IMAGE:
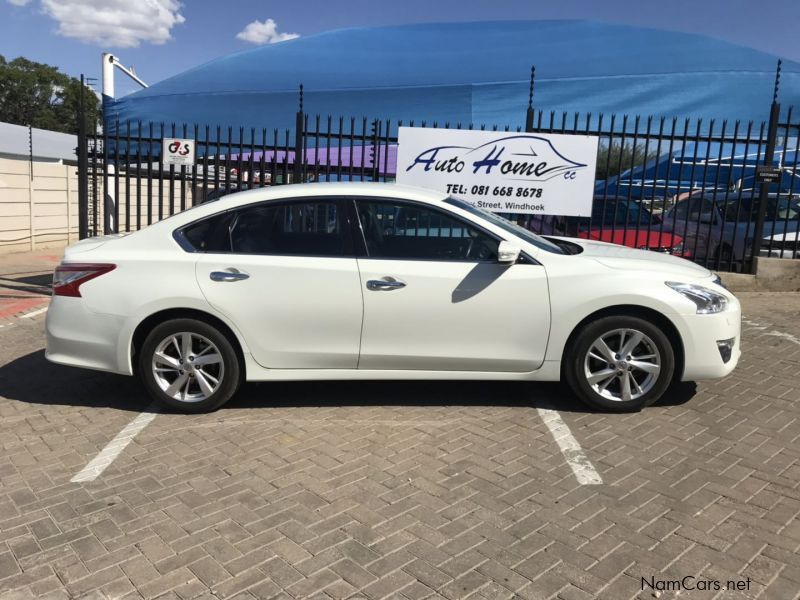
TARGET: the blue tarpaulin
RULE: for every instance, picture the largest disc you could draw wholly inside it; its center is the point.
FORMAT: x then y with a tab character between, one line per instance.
474	72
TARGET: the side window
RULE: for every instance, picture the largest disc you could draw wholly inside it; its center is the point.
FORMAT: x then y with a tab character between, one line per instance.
210	234
306	228
401	230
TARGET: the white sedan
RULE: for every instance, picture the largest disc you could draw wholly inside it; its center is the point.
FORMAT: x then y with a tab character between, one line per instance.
379	281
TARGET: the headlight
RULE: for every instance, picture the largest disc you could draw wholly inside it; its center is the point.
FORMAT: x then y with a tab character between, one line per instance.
677	249
706	300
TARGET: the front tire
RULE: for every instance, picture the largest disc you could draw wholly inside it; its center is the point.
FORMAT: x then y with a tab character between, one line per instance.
189	365
620	364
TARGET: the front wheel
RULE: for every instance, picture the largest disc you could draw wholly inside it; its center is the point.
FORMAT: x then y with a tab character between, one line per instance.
620	364
189	365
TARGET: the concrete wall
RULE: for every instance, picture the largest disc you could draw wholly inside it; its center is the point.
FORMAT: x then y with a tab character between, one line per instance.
774	275
39	211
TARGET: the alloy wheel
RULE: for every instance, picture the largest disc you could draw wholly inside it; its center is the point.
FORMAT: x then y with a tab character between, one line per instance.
622	365
187	367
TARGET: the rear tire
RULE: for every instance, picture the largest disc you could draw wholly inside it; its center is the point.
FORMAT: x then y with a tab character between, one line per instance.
619	364
189	365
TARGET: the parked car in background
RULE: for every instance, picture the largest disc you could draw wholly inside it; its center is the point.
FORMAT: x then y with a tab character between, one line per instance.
625	222
378	281
719	227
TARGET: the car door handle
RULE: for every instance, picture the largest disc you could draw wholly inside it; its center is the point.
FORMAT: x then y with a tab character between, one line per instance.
380	284
230	274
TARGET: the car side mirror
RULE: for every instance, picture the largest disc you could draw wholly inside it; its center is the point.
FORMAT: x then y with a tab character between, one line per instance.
507	253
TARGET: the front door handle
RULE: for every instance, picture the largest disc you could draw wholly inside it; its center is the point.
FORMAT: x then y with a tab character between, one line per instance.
380	284
230	274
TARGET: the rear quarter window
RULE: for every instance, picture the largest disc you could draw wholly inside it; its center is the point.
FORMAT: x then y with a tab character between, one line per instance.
211	234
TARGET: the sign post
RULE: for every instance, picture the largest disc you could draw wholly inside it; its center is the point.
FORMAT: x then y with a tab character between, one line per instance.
505	172
177	151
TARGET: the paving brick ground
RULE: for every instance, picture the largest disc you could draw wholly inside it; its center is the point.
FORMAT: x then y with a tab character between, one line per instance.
408	490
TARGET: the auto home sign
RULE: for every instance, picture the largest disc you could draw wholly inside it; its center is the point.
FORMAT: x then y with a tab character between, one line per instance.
504	172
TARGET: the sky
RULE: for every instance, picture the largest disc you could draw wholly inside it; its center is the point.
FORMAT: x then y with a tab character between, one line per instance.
161	38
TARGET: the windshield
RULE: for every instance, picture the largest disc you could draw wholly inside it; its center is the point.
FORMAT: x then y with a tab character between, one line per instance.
507	225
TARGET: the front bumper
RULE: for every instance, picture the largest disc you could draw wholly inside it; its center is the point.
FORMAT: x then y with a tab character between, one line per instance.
79	337
701	334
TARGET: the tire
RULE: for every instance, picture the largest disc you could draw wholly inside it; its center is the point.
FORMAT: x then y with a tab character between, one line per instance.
607	390
207	380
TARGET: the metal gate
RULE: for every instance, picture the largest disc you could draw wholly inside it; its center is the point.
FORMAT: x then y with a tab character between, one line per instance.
718	193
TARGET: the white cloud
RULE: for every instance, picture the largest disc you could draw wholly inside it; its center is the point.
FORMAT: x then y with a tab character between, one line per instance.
18	2
264	33
115	23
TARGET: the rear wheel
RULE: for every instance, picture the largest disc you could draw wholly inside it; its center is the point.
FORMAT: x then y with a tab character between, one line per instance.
620	363
189	365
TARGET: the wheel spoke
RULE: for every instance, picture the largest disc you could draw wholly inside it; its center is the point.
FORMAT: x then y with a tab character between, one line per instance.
186	345
636	385
647	367
205	386
165	359
606	352
209	359
599	376
629	346
177	385
626	386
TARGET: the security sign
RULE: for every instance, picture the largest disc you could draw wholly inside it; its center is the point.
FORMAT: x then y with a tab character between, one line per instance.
175	151
505	172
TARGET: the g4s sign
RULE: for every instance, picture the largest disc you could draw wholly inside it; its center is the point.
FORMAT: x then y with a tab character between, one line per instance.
503	172
177	151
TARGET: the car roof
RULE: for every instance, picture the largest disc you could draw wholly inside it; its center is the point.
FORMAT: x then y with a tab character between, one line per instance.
354	188
289	192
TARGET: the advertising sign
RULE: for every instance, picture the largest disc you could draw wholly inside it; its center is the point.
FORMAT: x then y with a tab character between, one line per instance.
507	172
176	151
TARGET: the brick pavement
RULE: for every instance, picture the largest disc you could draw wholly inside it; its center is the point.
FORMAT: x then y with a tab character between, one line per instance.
413	490
25	280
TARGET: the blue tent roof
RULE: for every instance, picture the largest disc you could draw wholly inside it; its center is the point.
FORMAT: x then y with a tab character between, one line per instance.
474	72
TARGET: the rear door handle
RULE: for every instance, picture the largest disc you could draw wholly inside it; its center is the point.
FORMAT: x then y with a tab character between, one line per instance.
230	274
380	284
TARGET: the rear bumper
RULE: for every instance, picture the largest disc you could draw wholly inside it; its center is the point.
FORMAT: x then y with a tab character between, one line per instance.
701	334
80	338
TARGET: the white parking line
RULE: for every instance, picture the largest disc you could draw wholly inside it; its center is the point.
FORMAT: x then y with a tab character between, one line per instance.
113	449
33	313
584	471
774	333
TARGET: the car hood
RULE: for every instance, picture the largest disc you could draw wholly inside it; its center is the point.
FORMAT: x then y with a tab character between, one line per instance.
630	259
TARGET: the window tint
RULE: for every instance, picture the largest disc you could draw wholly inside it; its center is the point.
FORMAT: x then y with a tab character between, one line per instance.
400	230
210	235
292	228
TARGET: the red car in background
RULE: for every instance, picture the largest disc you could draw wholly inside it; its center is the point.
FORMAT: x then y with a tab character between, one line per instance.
622	221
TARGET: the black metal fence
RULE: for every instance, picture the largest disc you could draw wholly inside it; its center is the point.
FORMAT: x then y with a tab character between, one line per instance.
718	193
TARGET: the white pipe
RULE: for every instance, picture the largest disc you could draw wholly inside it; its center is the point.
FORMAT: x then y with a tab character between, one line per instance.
108	61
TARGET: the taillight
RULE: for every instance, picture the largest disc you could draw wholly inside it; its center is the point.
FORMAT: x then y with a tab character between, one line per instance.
68	277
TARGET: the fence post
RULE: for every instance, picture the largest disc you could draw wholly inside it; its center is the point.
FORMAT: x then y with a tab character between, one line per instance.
769	156
299	134
83	168
529	114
